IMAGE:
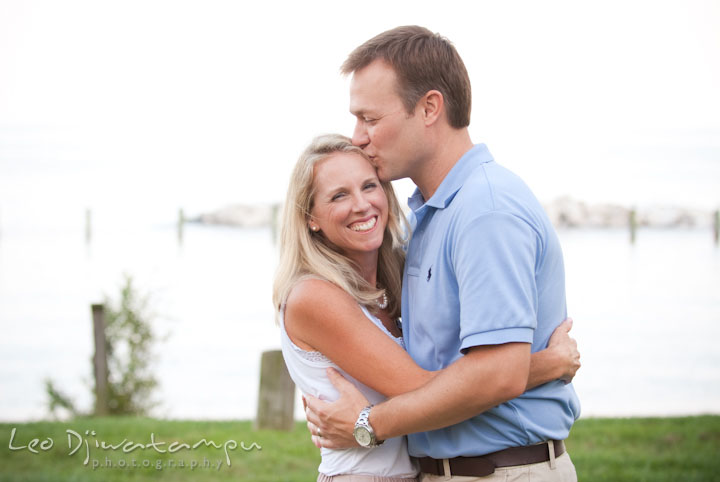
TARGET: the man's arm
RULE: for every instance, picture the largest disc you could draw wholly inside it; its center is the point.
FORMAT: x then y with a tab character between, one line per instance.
483	378
560	360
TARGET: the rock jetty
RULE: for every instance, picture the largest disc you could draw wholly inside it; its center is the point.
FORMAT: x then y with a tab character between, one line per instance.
571	213
564	212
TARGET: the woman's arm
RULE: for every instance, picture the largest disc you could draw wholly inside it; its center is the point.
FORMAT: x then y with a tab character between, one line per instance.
560	360
320	316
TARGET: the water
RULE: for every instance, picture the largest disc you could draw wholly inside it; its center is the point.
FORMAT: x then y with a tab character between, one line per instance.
646	316
648	320
211	295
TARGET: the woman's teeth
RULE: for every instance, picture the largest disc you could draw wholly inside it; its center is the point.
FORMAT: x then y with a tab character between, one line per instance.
366	226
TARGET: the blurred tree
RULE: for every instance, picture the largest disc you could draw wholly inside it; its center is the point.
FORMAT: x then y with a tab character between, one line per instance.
129	340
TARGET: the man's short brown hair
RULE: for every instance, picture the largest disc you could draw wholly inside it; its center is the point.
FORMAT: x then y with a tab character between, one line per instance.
423	61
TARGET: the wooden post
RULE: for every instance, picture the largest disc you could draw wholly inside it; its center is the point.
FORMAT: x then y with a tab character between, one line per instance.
88	225
276	397
716	226
100	367
633	225
180	225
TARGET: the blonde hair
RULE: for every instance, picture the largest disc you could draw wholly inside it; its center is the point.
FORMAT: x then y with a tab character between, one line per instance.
305	254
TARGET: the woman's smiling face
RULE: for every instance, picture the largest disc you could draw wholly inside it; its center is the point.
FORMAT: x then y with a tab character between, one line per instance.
349	206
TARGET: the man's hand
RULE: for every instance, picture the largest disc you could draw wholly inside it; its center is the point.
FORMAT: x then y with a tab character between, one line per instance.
566	348
332	423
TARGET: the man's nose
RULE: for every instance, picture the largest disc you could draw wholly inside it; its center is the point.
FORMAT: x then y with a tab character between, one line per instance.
360	137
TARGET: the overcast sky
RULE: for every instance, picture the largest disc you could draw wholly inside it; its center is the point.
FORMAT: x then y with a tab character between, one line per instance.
152	105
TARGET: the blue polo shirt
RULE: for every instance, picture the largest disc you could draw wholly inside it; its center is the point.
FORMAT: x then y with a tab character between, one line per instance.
484	267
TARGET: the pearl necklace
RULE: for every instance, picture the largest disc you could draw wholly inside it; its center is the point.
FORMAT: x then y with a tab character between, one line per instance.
384	303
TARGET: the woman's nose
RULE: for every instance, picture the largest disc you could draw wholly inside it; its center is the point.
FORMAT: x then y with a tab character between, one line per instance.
361	203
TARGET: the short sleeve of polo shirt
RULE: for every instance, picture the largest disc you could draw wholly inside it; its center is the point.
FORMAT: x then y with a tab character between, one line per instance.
494	258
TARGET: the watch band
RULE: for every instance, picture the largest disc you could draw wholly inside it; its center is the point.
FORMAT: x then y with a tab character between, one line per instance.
363	427
364	417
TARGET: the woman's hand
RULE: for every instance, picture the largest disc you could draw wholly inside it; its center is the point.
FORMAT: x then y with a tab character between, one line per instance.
565	348
331	424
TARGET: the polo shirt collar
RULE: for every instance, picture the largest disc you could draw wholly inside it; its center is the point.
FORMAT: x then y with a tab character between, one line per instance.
478	154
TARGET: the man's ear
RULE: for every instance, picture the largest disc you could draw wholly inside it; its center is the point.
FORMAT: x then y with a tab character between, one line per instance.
432	106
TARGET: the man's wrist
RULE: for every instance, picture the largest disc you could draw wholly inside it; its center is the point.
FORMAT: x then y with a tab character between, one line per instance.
378	421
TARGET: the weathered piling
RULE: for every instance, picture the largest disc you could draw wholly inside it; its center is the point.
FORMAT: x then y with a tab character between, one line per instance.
276	397
180	225
100	368
633	225
716	226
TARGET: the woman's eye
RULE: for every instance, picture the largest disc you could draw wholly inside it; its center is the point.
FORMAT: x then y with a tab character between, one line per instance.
337	196
370	185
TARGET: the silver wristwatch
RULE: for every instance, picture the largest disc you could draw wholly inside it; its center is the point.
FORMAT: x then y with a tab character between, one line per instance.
364	433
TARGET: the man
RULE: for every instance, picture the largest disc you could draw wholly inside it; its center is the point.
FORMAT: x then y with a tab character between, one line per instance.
483	286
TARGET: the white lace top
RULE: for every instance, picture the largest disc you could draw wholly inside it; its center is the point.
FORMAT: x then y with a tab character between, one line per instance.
307	369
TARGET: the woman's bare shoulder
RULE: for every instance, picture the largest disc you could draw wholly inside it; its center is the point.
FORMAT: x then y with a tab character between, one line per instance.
313	294
317	308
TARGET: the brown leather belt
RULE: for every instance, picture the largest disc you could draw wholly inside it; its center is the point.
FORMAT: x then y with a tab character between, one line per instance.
486	464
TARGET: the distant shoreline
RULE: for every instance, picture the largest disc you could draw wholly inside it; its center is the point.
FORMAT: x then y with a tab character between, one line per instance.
564	212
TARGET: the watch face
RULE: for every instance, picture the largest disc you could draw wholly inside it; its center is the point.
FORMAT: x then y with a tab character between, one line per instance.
363	436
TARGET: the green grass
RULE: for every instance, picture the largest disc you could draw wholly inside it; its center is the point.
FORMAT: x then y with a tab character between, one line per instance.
283	455
647	449
632	449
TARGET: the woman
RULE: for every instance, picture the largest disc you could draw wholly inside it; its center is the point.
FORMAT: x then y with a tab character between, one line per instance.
337	291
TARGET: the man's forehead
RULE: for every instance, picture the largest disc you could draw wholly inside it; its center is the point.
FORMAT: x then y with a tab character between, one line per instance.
372	87
376	74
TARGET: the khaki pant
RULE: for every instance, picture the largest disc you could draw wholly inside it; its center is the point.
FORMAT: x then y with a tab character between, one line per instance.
564	471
